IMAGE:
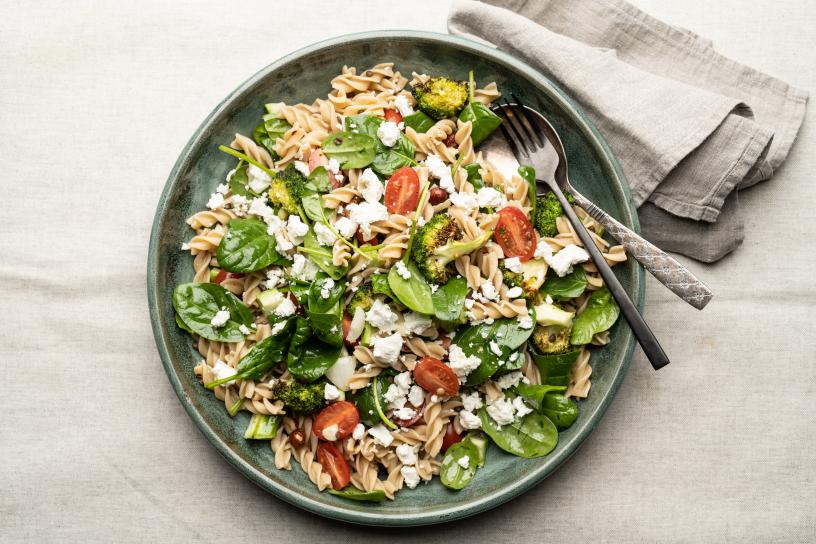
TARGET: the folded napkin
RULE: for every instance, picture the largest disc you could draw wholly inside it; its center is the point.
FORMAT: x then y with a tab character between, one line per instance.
689	126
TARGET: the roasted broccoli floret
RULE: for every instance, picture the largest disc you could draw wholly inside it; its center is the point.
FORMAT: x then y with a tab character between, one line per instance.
286	189
362	298
299	397
548	209
551	339
438	243
440	97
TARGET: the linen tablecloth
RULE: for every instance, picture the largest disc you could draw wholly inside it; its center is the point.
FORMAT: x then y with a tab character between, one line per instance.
96	101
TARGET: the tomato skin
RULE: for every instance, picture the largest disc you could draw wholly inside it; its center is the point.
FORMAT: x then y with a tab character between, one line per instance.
419	411
346	326
451	437
437	195
223	275
515	234
394	116
446	341
342	413
334	464
402	191
436	377
318	158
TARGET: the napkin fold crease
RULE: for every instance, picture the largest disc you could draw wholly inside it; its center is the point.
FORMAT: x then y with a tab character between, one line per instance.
689	126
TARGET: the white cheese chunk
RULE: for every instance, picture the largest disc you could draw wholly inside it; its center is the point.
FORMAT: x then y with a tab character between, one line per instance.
222	370
388	132
563	261
370	186
410	477
387	350
220	318
407	454
381	435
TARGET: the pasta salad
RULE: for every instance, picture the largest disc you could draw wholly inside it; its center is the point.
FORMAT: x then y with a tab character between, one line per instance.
383	300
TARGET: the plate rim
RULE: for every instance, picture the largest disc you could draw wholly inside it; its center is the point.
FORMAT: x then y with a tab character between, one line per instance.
378	518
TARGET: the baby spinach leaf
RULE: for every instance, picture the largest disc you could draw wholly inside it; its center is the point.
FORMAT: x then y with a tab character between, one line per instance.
269	130
555	369
560	410
197	303
308	358
239	179
262	358
387	159
452	474
484	121
527	173
247	247
449	300
415	293
474	176
352	150
534	394
318	181
352	493
300	290
563	288
506	334
323	285
321	256
182	325
601	313
370	400
419	121
379	283
326	314
534	435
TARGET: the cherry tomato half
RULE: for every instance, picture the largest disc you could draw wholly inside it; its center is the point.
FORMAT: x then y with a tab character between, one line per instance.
515	234
402	191
342	414
333	463
394	116
436	377
451	437
223	274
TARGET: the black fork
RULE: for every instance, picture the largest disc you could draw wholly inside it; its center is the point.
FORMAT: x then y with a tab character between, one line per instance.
529	147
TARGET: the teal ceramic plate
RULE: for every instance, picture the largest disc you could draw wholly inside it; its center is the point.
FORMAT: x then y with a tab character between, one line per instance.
303	76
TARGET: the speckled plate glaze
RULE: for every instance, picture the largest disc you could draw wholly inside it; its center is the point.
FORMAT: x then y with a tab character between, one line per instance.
303	76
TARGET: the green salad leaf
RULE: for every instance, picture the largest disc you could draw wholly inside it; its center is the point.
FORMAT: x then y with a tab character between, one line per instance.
449	302
474	176
386	159
564	288
484	121
248	247
325	314
318	181
600	313
197	303
419	121
560	410
351	149
262	358
309	358
239	179
534	435
321	256
555	369
454	475
371	400
352	493
414	292
527	173
268	131
506	334
379	284
534	394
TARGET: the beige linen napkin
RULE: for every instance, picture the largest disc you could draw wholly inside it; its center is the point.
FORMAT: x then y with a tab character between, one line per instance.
689	126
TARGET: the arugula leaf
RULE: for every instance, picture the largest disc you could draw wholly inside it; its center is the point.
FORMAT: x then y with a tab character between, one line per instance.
379	283
415	293
451	473
484	121
560	410
354	494
534	435
563	288
351	149
197	303
449	302
555	369
321	256
248	247
419	121
600	313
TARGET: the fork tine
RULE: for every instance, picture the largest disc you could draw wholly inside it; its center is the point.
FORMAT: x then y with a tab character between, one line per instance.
519	151
527	121
515	129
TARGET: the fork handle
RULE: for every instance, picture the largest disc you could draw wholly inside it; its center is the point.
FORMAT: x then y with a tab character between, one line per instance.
651	347
666	269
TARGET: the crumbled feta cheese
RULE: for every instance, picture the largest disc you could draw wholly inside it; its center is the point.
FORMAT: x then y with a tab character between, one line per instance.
494	347
446	183
333	166
220	318
513	264
489	291
259	207
388	132
436	166
404	413
386	350
472	401
296	229
410	477
358	432
514	292
330	432
370	186
257	179
302	167
216	201
239	205
381	435
330	392
285	308
244	329
542	250
415	323
466	201
325	289
416	395
222	370
469	302
521	408
434	398
525	322
434	287
403	105
562	261
303	269
460	363
345	227
407	454
278	327
185	246
366	213
509	380
464	461
324	235
548	299
468	420
222	188
501	411
403	271
403	380
393	393
488	197
381	316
